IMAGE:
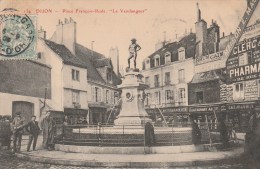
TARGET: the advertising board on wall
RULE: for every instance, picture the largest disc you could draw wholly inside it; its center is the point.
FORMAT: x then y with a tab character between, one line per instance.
244	63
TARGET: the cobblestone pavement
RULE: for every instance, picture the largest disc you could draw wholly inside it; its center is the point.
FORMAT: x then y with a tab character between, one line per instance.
10	161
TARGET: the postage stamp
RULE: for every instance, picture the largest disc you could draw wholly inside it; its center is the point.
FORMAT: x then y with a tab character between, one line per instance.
17	35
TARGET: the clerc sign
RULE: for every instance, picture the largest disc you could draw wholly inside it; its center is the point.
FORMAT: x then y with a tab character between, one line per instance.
246	52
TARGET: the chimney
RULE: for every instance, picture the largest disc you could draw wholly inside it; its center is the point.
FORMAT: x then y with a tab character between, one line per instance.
198	13
201	34
66	34
114	55
42	33
223	34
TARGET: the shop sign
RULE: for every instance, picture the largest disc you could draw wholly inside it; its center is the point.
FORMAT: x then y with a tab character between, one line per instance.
251	90
174	109
209	58
251	31
240	29
240	106
203	109
249	49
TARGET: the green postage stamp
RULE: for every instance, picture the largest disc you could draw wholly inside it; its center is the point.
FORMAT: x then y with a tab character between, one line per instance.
17	35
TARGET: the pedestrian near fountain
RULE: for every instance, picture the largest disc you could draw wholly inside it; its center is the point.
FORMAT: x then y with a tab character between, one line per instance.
149	134
223	131
17	129
252	140
196	133
34	130
48	130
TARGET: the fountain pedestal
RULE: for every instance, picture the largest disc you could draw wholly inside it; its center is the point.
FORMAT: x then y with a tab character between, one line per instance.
133	112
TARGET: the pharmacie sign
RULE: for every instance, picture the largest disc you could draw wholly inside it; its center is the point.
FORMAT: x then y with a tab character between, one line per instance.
246	51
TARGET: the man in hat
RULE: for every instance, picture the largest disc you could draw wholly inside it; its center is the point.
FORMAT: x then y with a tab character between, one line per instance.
17	128
34	130
133	48
48	130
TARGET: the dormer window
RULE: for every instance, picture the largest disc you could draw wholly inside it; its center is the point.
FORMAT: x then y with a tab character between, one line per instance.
181	53
157	60
147	63
167	57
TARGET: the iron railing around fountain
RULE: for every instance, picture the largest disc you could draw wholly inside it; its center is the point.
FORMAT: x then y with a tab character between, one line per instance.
132	135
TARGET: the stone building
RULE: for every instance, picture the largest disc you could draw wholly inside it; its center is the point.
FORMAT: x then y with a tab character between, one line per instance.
84	81
22	87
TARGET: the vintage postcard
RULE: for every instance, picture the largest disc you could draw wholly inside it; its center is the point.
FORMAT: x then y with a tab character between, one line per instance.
129	84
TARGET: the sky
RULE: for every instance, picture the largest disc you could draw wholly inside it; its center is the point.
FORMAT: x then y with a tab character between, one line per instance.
113	29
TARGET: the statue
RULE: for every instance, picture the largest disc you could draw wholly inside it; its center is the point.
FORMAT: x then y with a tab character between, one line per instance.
133	48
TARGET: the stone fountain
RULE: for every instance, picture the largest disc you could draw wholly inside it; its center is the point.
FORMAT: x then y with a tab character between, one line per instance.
133	112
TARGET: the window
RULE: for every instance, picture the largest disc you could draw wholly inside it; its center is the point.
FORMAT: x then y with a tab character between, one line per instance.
75	74
97	94
182	95
147	98
181	76
243	59
147	80
157	97
107	96
258	88
39	55
157	60
168	96
109	75
238	91
167	57
75	97
147	62
167	78
181	53
156	81
115	97
199	97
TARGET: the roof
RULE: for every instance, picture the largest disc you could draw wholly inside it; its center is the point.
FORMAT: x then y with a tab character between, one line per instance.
188	42
84	58
102	62
208	76
64	53
92	60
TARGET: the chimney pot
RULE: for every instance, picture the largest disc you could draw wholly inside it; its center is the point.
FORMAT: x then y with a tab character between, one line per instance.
66	20
223	34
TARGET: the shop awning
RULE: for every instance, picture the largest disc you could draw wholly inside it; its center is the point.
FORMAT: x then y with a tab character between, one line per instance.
207	76
50	105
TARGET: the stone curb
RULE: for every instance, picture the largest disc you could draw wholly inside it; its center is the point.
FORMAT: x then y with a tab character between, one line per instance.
61	161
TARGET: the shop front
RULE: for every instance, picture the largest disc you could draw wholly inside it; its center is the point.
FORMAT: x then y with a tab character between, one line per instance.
76	116
205	113
238	114
98	114
169	114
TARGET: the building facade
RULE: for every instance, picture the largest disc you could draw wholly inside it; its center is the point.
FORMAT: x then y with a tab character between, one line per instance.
23	85
167	72
84	80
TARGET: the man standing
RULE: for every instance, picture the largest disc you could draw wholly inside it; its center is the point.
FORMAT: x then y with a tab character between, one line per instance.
17	128
33	130
48	130
133	48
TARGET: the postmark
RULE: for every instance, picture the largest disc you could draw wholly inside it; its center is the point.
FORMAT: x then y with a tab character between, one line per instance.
17	35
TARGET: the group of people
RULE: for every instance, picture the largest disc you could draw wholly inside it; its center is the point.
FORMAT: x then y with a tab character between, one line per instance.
19	124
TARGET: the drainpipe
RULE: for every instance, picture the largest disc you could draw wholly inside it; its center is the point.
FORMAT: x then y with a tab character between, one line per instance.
44	102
